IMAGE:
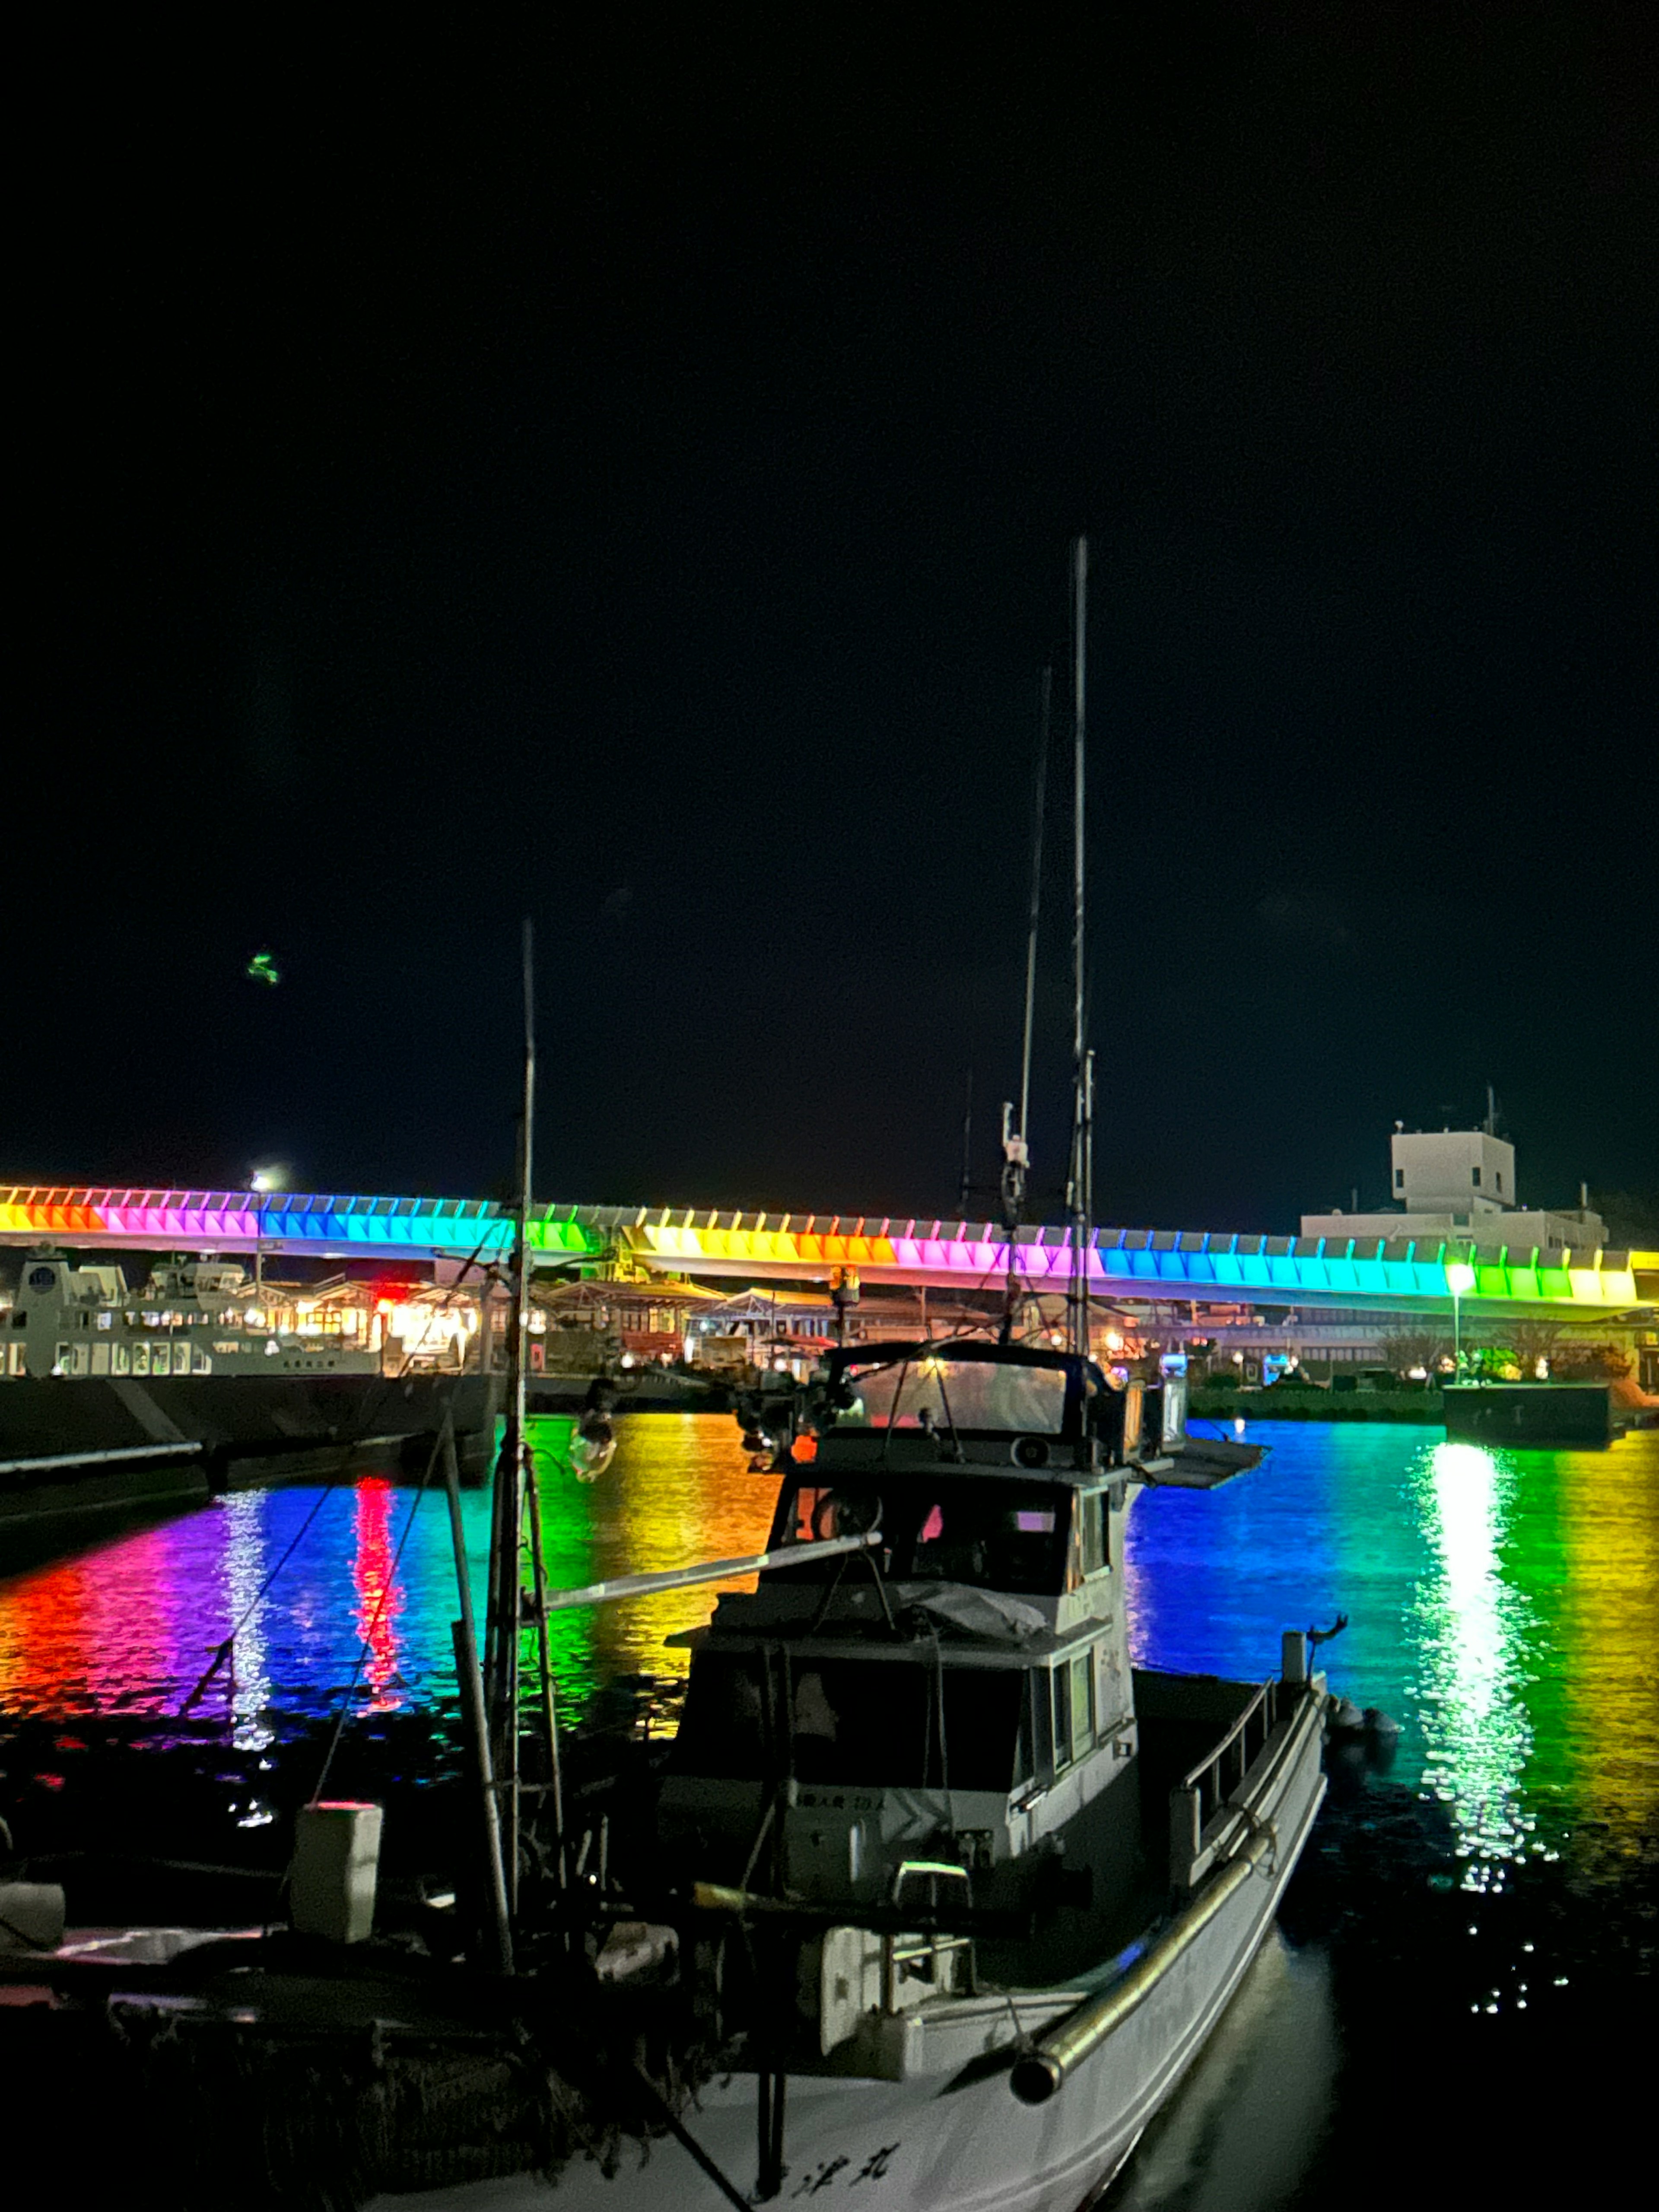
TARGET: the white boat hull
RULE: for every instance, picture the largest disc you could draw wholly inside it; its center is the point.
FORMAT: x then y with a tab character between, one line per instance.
934	2142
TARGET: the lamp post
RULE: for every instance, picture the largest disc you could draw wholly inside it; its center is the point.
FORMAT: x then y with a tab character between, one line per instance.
1459	1280
262	1180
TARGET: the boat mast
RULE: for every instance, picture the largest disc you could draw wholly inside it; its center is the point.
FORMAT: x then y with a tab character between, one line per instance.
1015	1136
506	1606
1081	1179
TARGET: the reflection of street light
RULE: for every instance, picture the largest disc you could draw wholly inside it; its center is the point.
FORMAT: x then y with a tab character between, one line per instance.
1459	1280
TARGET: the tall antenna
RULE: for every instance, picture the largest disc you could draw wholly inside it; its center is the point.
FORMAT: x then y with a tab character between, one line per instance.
1016	1139
1039	806
964	1188
1081	1176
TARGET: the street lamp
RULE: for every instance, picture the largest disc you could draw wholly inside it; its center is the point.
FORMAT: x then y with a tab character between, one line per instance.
262	1179
1459	1280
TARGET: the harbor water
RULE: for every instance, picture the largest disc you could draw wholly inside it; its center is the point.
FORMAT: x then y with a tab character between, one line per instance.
1455	1991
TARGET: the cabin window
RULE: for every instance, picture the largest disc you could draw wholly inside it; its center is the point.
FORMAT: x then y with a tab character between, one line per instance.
972	1394
993	1541
1475	1173
1060	1682
1041	1709
1074	1709
1093	1509
120	1359
995	1533
1106	1718
853	1723
106	1320
1083	1705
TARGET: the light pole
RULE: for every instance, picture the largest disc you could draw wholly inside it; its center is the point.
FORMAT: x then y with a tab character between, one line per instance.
1459	1280
262	1179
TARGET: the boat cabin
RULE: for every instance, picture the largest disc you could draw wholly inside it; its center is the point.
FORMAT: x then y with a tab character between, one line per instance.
956	1689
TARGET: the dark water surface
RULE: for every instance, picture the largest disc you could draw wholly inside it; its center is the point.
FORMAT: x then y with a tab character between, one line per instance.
1454	2008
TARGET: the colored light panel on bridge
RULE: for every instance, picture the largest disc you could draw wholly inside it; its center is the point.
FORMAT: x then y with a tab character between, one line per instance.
1192	1267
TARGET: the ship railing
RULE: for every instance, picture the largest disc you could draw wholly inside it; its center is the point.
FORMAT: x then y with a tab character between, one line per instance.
1210	1798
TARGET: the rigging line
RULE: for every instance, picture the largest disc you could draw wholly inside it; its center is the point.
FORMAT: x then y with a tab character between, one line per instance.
689	2142
336	1481
365	1643
224	1650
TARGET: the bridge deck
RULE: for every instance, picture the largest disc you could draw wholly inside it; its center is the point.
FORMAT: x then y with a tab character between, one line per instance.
1186	1264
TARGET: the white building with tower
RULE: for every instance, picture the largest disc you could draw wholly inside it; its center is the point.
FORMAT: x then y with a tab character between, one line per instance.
1459	1185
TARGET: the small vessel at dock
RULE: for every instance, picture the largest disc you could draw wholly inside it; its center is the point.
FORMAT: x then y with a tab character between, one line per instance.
114	1402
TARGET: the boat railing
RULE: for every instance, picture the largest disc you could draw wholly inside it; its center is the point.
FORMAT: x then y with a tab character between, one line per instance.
944	1962
1213	1786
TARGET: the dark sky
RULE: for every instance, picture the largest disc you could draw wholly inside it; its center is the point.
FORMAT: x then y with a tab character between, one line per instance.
626	476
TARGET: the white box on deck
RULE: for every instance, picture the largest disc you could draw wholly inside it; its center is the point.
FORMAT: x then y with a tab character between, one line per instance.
337	1857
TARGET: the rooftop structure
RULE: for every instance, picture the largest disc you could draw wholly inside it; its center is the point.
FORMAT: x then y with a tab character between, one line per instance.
1459	1185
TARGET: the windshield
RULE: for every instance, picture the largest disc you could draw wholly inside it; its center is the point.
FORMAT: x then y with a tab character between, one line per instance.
1006	1535
960	1393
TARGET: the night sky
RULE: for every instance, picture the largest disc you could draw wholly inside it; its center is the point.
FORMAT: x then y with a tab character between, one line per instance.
626	476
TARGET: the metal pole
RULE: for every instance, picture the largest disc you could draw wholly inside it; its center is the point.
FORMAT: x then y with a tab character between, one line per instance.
508	1524
472	1712
549	1703
707	1570
1079	1289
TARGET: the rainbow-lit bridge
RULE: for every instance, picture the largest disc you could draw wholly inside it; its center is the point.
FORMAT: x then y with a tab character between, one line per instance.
800	1248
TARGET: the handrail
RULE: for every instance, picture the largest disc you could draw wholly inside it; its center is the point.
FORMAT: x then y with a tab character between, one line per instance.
187	1448
1214	1758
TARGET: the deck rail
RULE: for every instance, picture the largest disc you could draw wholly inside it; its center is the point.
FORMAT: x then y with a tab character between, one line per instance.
1221	1771
1210	1788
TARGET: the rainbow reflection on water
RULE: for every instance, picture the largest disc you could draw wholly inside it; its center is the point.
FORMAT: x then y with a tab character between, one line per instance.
1503	1604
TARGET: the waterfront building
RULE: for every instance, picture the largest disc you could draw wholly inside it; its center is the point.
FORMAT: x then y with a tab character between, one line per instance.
1454	1186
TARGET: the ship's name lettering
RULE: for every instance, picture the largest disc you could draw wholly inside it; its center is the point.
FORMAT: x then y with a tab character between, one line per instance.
825	2175
839	1801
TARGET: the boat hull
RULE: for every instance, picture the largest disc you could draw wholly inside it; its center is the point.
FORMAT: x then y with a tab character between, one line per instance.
63	1472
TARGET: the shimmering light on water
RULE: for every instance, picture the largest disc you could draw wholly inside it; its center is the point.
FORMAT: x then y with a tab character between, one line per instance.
1471	1630
1502	1604
249	1684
